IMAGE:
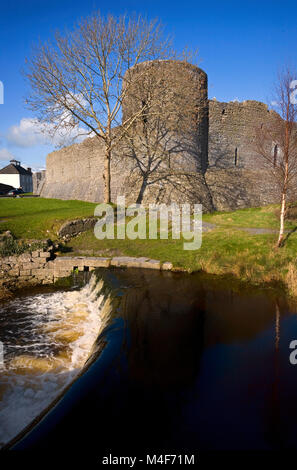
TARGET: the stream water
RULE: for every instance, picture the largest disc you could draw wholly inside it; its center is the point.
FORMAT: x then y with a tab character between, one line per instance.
197	364
46	339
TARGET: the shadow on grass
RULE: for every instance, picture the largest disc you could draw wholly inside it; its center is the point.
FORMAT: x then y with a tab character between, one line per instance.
64	248
293	230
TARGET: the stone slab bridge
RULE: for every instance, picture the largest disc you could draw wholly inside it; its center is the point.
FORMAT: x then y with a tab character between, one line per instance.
42	267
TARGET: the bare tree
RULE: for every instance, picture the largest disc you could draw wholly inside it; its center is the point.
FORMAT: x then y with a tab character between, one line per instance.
78	78
276	143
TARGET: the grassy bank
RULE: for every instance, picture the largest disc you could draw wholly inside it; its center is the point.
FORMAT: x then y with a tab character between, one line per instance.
227	249
224	251
40	218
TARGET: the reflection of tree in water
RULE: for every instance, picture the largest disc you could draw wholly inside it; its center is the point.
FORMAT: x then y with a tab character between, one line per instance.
275	429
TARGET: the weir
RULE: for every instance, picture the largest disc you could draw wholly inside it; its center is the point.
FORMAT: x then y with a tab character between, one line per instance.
48	338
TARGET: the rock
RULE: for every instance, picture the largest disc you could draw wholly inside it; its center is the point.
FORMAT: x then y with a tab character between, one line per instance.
5	293
30	269
152	264
37	272
167	266
25	257
130	262
14	272
72	228
95	262
125	261
62	273
5	267
5	235
25	272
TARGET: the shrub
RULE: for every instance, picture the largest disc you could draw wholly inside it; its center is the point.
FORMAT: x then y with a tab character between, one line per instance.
291	279
10	246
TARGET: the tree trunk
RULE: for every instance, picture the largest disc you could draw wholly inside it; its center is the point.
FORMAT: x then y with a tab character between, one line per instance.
285	186
106	174
282	220
142	189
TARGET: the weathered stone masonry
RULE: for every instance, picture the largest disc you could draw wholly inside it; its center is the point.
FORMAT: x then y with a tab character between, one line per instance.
224	172
42	267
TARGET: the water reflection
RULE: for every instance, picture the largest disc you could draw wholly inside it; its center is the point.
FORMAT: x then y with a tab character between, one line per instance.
214	354
200	365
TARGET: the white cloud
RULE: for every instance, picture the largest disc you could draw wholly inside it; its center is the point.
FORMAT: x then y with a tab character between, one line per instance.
274	103
5	155
36	169
30	132
26	134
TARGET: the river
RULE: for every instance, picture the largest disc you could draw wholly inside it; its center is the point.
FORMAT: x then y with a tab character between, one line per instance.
186	363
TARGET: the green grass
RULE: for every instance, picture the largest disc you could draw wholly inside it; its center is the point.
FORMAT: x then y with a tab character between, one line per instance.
225	250
39	218
254	217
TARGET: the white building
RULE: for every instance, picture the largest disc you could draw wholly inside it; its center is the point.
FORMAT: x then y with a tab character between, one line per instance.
17	176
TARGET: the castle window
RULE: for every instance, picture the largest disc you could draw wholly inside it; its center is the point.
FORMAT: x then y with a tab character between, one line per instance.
235	157
223	112
275	152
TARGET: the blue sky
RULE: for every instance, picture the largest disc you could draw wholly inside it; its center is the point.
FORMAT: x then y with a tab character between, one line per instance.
241	47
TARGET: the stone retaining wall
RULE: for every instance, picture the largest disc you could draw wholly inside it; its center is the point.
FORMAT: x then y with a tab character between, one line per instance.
42	267
36	267
71	228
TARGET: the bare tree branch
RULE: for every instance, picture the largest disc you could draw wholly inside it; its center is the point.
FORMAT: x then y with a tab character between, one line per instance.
83	76
276	143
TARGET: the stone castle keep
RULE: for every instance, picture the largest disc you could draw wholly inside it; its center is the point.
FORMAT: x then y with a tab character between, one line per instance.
206	158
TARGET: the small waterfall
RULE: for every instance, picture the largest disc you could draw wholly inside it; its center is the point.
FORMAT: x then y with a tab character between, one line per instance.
47	339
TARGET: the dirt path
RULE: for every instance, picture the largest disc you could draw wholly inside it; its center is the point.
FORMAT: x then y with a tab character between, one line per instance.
207	227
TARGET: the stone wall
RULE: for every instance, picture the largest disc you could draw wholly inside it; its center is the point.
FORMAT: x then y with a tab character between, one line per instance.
72	228
42	267
220	167
75	172
31	268
232	129
237	188
171	97
38	179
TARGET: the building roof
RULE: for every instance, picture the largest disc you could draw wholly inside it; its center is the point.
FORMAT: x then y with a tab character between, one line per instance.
15	168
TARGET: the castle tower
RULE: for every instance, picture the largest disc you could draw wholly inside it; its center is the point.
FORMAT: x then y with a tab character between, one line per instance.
173	97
